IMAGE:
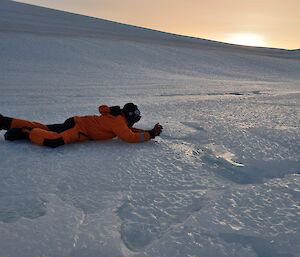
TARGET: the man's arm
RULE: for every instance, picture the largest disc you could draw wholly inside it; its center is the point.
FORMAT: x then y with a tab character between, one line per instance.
121	129
137	130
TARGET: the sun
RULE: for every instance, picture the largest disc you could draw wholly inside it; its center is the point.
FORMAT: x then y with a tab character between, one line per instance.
247	39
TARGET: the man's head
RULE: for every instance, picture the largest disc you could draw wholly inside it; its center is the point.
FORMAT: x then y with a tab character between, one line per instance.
131	113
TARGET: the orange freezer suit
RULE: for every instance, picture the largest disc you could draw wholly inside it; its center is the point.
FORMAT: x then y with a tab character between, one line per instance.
91	127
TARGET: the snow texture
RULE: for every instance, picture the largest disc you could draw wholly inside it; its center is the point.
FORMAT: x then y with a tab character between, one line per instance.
222	180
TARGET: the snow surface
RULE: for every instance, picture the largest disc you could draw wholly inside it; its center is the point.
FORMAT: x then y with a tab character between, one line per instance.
222	180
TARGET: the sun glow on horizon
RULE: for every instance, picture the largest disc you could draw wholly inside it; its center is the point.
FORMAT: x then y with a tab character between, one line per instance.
247	39
274	24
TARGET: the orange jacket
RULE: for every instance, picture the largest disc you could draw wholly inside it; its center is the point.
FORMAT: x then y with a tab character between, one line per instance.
107	126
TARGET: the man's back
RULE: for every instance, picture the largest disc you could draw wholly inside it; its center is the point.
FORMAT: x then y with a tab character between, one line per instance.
100	127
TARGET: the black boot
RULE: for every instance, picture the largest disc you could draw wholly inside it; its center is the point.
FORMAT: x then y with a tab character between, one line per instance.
15	134
1	118
5	122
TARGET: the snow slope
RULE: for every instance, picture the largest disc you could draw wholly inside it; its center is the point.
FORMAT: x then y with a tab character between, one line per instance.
223	179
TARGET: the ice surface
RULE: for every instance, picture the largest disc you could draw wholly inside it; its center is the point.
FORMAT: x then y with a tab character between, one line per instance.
182	194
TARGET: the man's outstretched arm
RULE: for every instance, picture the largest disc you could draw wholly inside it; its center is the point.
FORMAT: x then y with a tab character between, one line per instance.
127	134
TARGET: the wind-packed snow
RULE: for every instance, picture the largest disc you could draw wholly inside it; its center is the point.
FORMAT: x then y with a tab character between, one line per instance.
222	180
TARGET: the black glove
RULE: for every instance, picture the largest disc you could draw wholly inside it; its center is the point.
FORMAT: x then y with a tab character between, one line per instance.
156	130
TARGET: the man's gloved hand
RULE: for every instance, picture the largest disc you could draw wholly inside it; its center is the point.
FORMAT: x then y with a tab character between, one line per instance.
156	130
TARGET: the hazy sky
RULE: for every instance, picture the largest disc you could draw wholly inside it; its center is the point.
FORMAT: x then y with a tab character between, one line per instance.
272	23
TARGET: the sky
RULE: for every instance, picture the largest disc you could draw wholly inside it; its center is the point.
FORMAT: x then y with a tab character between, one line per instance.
268	23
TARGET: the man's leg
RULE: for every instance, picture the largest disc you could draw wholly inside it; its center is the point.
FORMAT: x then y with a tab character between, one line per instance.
54	139
14	127
7	123
18	123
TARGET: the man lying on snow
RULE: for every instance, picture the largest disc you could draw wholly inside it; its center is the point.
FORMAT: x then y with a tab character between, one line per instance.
112	122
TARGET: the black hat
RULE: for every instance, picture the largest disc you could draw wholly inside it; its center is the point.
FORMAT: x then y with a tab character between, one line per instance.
132	113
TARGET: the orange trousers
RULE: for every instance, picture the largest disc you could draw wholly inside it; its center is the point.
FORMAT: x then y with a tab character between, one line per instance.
40	134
